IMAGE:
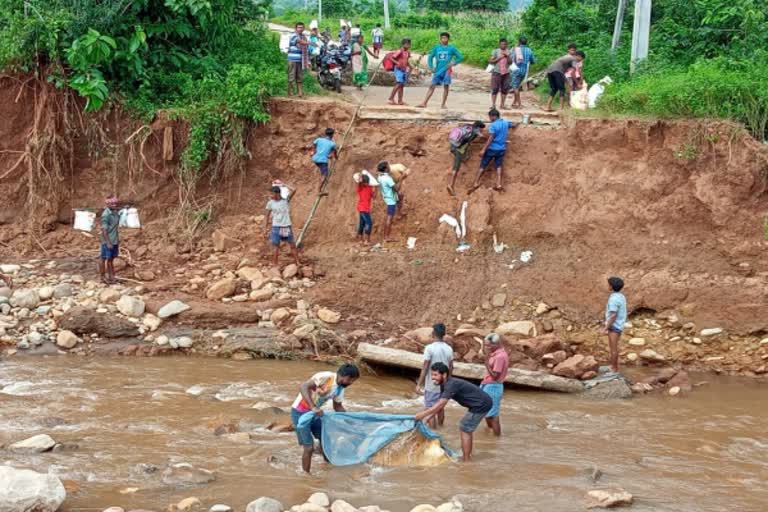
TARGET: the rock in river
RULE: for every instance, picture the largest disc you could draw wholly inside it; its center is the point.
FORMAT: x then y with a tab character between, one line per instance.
184	474
66	339
81	320
576	366
264	504
35	444
609	498
23	490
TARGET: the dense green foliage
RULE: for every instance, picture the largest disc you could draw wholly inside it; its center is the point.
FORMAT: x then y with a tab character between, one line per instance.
209	61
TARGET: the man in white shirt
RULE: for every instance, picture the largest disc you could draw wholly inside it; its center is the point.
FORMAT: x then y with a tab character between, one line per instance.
436	352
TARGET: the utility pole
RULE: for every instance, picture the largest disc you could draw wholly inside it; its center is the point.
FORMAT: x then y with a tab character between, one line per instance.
640	32
619	23
386	14
319	12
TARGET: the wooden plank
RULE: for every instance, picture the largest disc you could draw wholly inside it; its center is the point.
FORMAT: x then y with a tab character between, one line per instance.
404	359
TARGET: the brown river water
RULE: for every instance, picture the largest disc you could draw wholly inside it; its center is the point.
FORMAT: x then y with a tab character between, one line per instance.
704	452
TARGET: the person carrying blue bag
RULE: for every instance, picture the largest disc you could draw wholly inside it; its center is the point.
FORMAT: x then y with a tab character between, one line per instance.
313	394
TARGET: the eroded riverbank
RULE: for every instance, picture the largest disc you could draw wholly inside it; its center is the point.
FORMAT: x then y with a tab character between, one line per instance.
705	452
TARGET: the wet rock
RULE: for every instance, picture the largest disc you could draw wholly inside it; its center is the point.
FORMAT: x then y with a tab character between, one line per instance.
308	507
682	381
609	498
320	498
264	504
62	291
663	376
182	342
188	504
81	320
641	387
342	506
674	391
66	447
223	288
453	506
66	339
184	474
223	242
708	333
423	508
610	390
220	508
109	295
498	300
328	316
151	322
576	366
45	293
290	271
35	444
588	375
637	342
522	328
25	298
173	308
652	356
23	490
130	306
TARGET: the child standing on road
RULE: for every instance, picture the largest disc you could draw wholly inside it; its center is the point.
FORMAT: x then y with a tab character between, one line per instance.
402	68
615	318
441	60
365	194
325	149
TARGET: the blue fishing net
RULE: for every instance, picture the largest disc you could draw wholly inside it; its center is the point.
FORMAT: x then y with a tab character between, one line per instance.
354	437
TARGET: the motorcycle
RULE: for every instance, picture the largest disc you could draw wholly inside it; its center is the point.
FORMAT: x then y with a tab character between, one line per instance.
334	58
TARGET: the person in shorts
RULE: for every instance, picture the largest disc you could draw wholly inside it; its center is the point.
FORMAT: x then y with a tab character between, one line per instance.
461	153
278	223
110	240
556	77
615	318
365	193
325	149
322	387
523	58
441	60
298	59
494	150
402	68
478	404
436	352
496	369
501	81
390	194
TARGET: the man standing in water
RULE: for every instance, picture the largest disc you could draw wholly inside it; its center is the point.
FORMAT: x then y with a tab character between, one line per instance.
320	388
496	368
441	60
615	318
436	352
468	395
110	241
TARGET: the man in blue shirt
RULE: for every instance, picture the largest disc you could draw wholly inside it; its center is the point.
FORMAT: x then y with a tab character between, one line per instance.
495	148
615	318
325	149
297	60
523	57
441	60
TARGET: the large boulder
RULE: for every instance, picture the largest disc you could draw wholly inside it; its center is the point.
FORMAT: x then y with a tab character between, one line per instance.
35	444
130	306
576	366
62	291
184	474
250	274
66	339
23	490
520	328
81	320
610	390
222	288
540	345
264	504
25	298
173	308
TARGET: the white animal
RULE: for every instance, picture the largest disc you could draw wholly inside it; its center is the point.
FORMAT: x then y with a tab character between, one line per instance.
597	90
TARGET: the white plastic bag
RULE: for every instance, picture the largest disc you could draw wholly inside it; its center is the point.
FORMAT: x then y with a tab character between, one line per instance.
489	68
597	90
84	220
580	99
131	218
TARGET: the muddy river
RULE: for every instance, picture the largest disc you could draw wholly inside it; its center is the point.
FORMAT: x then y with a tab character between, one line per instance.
704	452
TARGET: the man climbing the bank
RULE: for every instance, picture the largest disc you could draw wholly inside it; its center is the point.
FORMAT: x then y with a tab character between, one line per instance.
468	395
494	150
615	318
325	149
460	139
278	224
436	352
313	394
496	369
298	60
389	193
110	240
441	60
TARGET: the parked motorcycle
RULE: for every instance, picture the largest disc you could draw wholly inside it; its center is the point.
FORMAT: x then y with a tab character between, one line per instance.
334	59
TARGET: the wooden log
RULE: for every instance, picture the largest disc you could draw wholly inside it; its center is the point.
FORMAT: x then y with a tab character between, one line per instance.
168	144
402	358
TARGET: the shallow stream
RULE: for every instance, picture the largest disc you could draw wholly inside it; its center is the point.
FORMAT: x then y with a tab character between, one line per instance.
704	452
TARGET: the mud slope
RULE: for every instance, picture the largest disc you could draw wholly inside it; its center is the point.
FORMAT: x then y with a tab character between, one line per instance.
675	208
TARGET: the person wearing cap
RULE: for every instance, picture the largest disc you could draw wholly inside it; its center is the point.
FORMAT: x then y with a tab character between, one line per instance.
278	223
496	368
436	352
110	240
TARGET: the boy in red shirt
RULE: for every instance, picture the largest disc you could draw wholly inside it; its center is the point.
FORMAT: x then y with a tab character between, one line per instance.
365	194
401	59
